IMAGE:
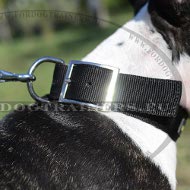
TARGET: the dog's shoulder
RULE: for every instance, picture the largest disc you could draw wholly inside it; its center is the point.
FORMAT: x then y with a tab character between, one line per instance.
71	150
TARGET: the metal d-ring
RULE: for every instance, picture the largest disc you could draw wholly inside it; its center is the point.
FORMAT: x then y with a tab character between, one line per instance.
32	70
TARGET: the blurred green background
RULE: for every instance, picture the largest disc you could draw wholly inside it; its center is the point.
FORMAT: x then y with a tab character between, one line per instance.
28	35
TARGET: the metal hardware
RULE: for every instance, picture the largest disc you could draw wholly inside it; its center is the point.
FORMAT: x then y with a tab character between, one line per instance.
32	70
182	126
110	91
29	78
6	76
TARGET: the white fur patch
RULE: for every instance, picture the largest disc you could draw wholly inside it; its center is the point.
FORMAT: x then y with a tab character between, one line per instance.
184	70
148	138
131	58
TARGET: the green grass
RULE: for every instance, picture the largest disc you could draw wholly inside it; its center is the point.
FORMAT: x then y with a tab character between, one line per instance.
71	43
183	170
17	56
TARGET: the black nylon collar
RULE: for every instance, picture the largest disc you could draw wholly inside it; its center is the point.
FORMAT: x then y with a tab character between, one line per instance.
154	101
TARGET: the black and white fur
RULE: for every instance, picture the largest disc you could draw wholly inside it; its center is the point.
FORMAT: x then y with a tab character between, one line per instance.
93	150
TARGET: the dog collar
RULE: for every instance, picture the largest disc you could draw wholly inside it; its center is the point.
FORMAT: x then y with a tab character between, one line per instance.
154	101
104	88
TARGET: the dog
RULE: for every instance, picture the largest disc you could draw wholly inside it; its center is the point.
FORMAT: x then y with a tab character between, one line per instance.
93	150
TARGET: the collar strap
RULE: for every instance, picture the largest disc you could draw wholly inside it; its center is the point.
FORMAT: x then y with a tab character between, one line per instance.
155	101
96	85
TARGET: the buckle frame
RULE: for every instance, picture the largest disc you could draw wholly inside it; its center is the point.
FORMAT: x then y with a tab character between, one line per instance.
110	91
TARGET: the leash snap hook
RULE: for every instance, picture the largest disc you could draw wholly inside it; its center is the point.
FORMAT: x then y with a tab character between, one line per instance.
32	70
6	76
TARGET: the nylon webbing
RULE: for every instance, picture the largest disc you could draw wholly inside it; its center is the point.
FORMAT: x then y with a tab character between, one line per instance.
170	125
58	78
133	93
154	101
147	95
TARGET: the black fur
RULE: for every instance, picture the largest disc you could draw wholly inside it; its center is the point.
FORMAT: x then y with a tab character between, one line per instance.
71	150
172	20
85	150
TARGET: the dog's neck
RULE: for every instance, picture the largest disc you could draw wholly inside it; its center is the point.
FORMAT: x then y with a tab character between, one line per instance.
126	51
142	24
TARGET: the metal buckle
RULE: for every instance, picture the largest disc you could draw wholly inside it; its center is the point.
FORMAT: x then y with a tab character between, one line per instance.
182	126
31	72
110	91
